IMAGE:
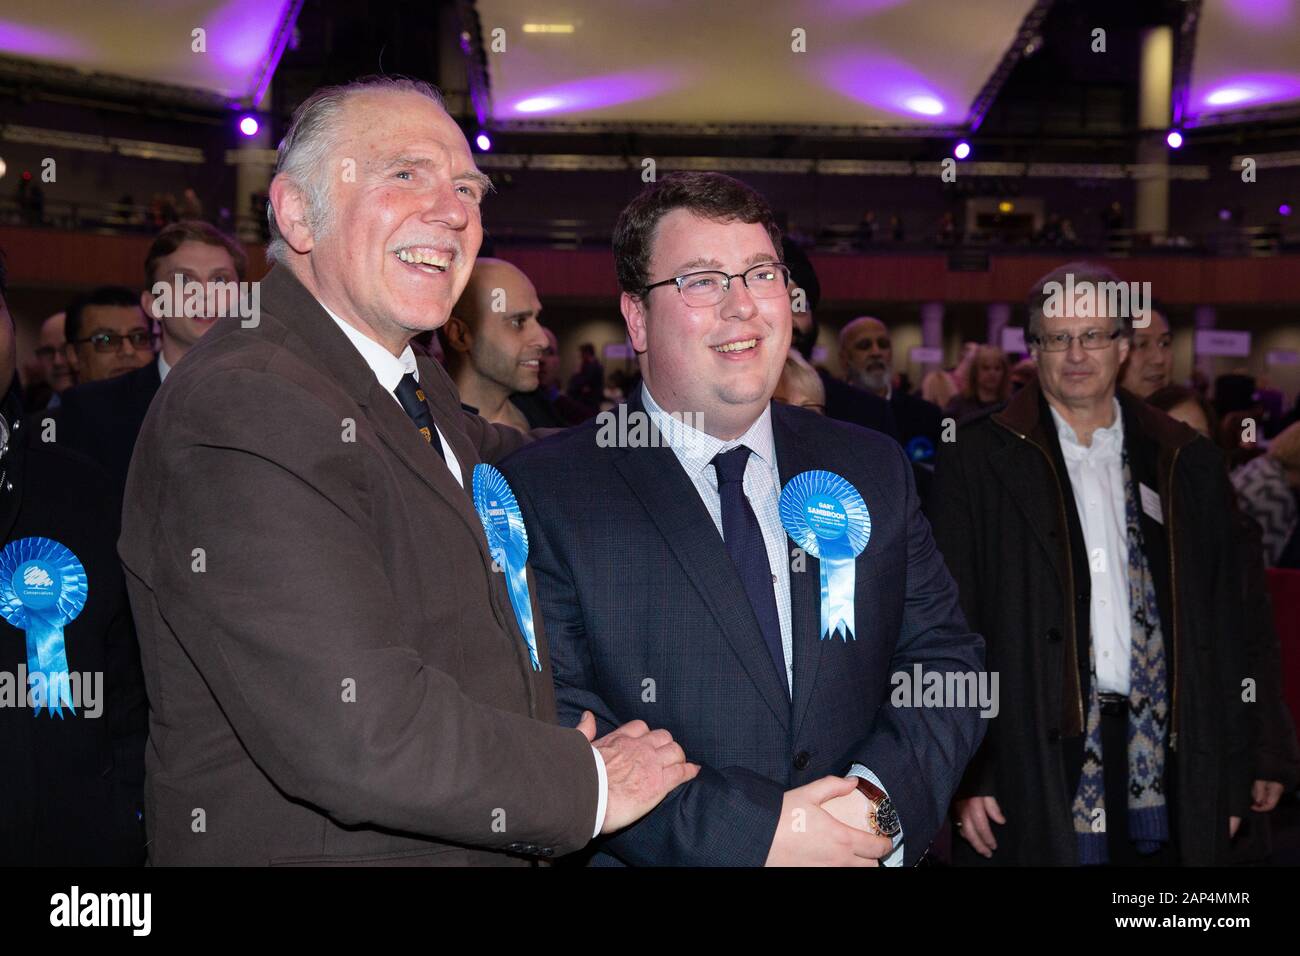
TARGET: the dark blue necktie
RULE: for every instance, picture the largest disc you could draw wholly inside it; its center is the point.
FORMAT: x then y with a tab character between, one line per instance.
410	395
744	540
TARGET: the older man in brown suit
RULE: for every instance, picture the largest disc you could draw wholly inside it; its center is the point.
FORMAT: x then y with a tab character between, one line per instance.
334	667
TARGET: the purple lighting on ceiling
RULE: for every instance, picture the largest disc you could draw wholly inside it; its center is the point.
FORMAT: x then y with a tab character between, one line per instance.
28	41
1174	139
248	126
1284	209
240	34
886	84
590	93
1262	13
1250	90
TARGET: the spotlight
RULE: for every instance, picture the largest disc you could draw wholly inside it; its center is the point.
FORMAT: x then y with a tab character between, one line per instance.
1174	139
2	168
924	104
483	141
1282	210
249	126
961	150
1225	215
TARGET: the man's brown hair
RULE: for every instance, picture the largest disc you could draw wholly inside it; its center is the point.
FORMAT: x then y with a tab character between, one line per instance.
710	195
192	230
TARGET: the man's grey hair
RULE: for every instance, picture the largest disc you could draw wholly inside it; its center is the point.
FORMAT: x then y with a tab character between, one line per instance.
1092	272
311	137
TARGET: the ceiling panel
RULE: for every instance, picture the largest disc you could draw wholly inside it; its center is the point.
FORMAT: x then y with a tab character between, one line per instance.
866	63
151	40
1247	57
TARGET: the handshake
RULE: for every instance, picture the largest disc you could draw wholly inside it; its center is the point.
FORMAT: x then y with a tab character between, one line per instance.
823	823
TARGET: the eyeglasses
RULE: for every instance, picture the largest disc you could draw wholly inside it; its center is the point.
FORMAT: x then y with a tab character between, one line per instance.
767	280
110	342
1093	339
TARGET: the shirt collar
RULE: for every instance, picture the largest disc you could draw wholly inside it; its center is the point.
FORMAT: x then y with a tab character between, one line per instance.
163	367
695	448
1104	440
388	368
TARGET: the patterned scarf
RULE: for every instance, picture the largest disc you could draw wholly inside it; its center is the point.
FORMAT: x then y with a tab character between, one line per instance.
1148	718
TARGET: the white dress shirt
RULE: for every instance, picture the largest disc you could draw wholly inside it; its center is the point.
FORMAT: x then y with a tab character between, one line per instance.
1097	477
163	368
762	486
389	369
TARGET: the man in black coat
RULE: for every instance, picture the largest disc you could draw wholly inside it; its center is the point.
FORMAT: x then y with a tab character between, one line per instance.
72	781
1094	545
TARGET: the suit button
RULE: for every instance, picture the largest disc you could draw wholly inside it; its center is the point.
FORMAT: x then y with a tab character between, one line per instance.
801	760
546	851
1054	635
1054	736
515	847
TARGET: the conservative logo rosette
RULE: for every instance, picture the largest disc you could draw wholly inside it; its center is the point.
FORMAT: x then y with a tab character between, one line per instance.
43	587
503	524
826	516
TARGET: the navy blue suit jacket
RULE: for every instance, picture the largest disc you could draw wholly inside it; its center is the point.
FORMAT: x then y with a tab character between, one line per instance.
102	420
647	618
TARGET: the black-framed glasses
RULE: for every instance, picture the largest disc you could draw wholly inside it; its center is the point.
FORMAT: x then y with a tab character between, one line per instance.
140	339
767	280
1092	339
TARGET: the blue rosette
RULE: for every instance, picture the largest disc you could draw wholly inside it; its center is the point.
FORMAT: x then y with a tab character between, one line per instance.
503	524
43	587
826	516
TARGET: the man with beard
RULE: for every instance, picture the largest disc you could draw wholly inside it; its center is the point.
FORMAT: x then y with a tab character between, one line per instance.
844	402
867	356
493	343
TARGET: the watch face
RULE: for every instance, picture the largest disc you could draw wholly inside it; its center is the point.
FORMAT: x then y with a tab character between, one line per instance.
887	819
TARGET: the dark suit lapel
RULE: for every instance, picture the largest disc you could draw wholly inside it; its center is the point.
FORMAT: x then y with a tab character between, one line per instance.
337	358
657	479
794	455
1014	467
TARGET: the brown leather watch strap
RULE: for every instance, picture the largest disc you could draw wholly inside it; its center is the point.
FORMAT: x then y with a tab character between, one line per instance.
871	792
882	818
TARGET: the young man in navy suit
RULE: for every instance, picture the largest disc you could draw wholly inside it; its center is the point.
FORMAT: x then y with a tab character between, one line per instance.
672	591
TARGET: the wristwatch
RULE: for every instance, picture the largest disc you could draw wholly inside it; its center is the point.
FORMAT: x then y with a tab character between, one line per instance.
881	815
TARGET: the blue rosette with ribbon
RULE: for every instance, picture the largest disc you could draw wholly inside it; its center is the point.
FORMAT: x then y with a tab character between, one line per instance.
43	587
503	524
826	516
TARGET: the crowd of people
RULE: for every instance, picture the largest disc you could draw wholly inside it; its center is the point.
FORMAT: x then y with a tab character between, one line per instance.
322	616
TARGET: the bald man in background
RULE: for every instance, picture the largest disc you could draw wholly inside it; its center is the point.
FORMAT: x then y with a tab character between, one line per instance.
493	342
867	356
